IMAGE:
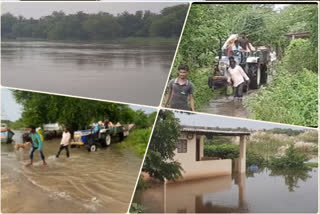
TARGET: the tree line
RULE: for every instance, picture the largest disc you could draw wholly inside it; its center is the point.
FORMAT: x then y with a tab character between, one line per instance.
75	113
99	26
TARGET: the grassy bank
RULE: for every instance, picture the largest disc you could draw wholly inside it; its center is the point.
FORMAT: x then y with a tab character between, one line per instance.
137	141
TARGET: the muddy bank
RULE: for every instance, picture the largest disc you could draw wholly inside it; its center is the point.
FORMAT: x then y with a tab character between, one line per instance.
101	181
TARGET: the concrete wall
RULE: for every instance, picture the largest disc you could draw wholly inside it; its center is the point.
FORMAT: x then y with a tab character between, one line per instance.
199	169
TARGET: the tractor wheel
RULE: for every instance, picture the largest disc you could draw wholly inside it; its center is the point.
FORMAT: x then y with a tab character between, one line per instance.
255	77
108	140
93	148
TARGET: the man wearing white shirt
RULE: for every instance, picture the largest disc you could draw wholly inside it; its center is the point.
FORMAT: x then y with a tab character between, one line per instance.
65	140
236	77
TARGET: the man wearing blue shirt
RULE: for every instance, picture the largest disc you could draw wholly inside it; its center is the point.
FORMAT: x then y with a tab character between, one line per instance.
36	145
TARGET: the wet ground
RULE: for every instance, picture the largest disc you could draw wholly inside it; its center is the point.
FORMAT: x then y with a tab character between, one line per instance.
265	191
101	181
227	106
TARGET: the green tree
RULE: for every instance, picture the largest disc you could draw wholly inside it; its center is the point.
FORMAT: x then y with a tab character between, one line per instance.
159	161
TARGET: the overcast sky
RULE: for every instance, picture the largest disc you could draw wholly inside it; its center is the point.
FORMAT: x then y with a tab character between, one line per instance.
39	9
228	122
10	110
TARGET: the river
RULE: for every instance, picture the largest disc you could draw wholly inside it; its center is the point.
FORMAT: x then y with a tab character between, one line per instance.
101	181
117	72
264	191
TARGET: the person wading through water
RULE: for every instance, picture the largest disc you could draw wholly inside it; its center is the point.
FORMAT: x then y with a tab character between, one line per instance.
64	144
180	91
36	145
236	77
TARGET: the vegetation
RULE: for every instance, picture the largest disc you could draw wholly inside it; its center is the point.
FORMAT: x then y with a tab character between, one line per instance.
291	98
137	140
255	159
223	151
99	26
209	25
291	160
75	113
159	162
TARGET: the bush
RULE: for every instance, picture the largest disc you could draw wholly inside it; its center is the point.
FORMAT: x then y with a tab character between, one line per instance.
138	140
291	98
291	160
223	151
255	159
300	55
137	208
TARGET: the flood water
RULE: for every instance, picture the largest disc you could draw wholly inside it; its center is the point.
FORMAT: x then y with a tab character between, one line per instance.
116	72
101	181
225	105
261	192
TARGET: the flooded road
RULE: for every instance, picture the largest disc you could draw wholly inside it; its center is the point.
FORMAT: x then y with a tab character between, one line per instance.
117	72
264	191
225	105
101	181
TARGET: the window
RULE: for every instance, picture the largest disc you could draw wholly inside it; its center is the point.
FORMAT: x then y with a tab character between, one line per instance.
182	146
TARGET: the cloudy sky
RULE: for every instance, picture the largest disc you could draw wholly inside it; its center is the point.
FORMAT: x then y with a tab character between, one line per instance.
39	9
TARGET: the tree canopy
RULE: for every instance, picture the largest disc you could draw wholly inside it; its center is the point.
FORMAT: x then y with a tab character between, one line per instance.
98	26
75	113
159	162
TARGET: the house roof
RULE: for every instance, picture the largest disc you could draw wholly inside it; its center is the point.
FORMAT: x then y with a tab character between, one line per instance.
211	131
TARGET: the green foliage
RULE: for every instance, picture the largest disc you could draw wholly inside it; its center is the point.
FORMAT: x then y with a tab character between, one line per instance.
99	26
74	113
300	55
289	132
138	140
312	164
159	161
255	159
291	160
217	140
291	98
223	151
136	208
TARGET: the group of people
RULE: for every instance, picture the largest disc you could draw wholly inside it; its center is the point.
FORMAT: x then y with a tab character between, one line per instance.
181	89
37	144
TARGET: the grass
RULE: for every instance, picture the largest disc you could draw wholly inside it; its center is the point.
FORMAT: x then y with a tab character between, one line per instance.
137	141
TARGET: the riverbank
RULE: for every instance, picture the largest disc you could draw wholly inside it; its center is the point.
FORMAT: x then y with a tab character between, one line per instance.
156	41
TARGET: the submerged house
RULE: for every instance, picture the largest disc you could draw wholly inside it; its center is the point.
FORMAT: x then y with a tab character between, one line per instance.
190	153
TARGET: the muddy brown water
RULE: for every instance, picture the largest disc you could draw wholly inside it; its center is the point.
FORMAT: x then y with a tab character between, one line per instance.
117	72
264	191
101	181
227	106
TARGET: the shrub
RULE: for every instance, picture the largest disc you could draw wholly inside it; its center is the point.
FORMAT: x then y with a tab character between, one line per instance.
138	139
137	208
223	151
291	98
300	55
291	160
255	159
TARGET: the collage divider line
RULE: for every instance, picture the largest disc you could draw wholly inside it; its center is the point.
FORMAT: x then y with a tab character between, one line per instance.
175	54
145	154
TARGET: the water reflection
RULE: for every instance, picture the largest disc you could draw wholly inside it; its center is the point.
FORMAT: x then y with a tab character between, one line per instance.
287	191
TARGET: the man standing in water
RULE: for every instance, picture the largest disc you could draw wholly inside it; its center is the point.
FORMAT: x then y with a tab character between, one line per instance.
36	145
64	144
180	91
236	77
